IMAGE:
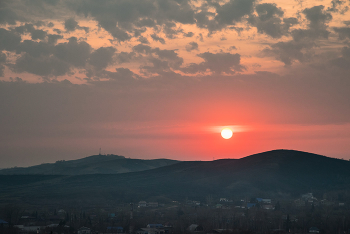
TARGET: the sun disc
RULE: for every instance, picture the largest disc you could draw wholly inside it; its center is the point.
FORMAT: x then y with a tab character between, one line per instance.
226	133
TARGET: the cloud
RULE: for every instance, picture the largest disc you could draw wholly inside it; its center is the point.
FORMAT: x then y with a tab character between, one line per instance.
317	16
269	20
337	6
343	32
9	40
122	18
317	27
41	66
161	60
71	25
52	38
233	11
303	41
143	40
121	76
2	61
102	57
156	38
189	34
47	59
35	33
35	49
73	52
7	15
192	46
216	63
343	61
289	51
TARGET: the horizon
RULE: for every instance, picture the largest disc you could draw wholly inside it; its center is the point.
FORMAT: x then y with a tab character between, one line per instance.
162	79
214	159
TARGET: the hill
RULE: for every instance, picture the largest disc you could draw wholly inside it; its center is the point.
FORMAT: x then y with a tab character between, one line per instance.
274	173
95	164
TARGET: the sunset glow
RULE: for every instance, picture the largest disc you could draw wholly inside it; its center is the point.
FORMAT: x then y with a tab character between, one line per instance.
154	79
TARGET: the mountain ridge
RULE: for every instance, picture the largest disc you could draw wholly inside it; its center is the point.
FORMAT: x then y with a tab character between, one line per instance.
268	174
94	164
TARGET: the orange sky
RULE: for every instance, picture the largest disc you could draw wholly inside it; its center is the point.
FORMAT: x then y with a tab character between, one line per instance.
160	78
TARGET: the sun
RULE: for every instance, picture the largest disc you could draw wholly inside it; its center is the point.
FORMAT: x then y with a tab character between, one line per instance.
226	133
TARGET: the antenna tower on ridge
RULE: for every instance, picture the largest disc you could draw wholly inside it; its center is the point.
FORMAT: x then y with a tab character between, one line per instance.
99	153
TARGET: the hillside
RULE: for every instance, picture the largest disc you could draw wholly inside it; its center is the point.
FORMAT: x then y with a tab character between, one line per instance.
96	164
273	173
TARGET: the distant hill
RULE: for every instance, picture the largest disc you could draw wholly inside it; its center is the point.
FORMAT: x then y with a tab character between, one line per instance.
96	164
278	173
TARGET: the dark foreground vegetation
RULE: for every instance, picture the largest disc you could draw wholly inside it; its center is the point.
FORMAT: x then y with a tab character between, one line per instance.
329	214
273	192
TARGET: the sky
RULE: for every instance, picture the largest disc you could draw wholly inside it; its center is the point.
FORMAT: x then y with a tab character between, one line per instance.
161	78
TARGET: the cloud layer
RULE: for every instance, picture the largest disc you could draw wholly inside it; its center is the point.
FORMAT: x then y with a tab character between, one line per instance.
77	69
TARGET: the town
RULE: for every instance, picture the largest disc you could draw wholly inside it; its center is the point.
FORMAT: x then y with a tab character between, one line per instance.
306	214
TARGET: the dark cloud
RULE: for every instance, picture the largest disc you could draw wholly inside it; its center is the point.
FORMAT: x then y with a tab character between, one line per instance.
216	63
121	18
338	6
41	66
192	46
160	59
233	11
121	74
73	52
102	57
35	33
35	49
229	13
270	21
289	22
343	61
156	38
124	57
267	11
144	49
343	32
189	34
52	38
57	30
318	19
9	40
317	16
2	61
2	58
71	25
300	48
8	16
289	51
47	59
171	31
38	34
143	40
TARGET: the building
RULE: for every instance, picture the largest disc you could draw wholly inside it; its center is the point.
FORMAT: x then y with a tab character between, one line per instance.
115	230
142	204
150	231
195	228
153	204
314	230
3	223
84	230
